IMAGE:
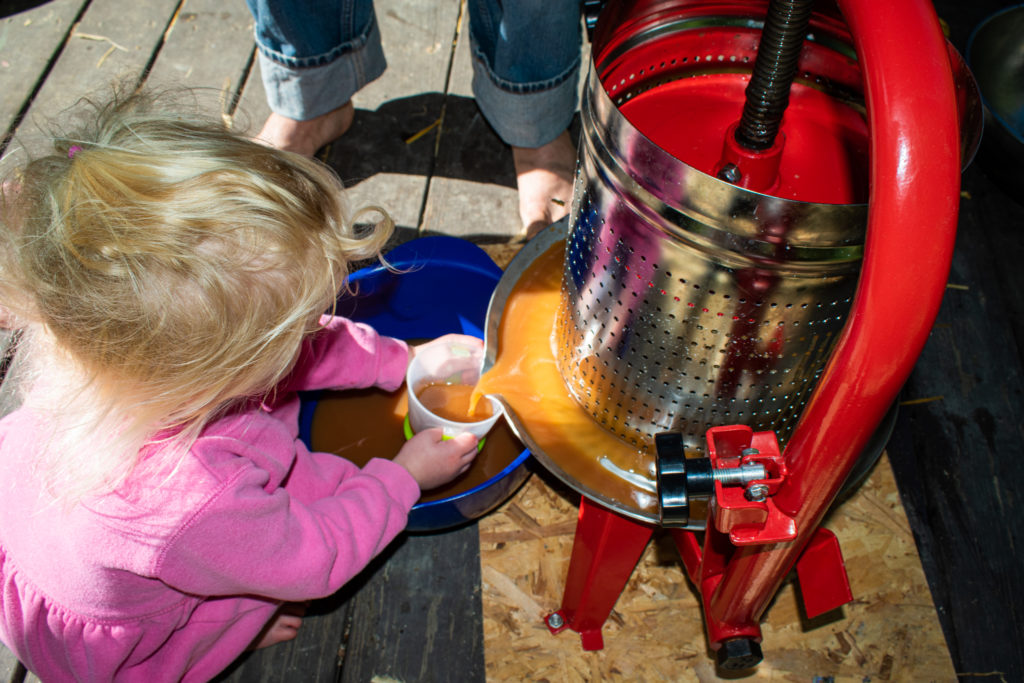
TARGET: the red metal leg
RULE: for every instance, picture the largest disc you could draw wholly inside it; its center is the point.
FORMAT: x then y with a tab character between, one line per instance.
824	584
605	551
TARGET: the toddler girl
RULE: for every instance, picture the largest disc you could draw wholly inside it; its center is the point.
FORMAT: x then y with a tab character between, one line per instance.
169	281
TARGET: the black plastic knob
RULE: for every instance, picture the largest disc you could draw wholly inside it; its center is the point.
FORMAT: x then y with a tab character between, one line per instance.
679	480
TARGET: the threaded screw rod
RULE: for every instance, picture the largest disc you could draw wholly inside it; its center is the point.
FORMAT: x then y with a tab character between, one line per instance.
767	93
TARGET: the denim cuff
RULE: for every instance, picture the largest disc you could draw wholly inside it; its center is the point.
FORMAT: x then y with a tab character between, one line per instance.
303	93
531	115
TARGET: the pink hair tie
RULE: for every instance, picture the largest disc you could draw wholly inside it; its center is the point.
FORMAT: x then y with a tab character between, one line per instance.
73	150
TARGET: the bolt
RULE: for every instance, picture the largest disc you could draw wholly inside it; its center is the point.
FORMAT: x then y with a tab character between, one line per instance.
555	621
750	451
738	476
730	173
756	493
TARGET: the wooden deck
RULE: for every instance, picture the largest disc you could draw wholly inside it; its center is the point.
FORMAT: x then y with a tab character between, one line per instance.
936	568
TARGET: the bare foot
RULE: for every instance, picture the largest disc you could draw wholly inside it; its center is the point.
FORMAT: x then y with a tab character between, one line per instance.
544	176
283	627
306	137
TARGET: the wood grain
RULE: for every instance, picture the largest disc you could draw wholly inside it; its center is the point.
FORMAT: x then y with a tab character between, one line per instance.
890	631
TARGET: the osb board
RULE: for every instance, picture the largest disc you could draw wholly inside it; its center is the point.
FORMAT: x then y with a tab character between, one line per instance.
502	252
890	632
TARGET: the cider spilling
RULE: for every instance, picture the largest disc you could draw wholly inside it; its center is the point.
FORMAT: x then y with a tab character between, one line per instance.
525	377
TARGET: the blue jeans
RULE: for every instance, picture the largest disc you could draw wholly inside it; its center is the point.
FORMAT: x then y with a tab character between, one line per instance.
526	66
526	60
315	54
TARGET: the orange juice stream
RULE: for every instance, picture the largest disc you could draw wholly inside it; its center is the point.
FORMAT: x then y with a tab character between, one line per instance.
526	376
452	402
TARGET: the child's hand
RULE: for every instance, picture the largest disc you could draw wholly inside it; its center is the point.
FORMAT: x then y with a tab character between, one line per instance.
465	339
433	461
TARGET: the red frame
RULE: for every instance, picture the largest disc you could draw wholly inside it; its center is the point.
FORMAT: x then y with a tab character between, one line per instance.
913	205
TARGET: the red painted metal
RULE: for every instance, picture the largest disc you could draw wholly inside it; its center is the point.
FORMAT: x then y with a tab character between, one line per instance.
748	522
824	585
758	171
915	171
706	564
690	550
825	145
734	521
913	202
605	551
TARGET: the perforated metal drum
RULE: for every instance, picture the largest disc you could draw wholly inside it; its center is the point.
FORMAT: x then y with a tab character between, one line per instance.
689	302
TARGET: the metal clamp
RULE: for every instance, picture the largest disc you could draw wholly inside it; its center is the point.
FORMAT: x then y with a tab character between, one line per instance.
681	480
749	515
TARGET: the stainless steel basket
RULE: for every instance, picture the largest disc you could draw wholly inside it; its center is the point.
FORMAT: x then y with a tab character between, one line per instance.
689	302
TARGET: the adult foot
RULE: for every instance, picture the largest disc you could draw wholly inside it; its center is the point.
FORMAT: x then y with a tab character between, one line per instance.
306	137
283	627
544	176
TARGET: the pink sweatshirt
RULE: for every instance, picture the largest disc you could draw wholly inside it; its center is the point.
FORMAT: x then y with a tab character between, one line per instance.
172	579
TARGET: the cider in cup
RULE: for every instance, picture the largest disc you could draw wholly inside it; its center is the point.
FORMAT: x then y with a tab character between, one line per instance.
440	380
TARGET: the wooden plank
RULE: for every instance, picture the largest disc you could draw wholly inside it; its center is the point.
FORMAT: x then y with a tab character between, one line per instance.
414	614
29	41
11	670
417	37
313	657
208	47
383	163
957	453
418	618
387	158
383	159
473	190
251	110
113	40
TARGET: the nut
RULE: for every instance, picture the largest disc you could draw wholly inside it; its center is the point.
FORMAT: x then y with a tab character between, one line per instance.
757	493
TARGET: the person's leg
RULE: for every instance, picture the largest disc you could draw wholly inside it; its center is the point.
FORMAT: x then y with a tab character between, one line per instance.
314	55
544	178
526	65
306	137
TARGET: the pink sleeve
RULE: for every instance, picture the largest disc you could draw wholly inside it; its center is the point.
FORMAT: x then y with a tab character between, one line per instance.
247	540
348	355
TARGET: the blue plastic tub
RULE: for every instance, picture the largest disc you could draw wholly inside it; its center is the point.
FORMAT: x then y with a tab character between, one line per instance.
444	286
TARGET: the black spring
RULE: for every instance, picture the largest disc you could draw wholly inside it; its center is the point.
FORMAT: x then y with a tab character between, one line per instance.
778	53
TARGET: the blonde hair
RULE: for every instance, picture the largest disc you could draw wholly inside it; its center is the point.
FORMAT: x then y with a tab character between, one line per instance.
177	265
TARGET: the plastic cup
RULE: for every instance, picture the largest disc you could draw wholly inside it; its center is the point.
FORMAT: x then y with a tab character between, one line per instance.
449	362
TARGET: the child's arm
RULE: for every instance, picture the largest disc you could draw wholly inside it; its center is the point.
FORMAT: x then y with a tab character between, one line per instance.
348	355
255	538
250	541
